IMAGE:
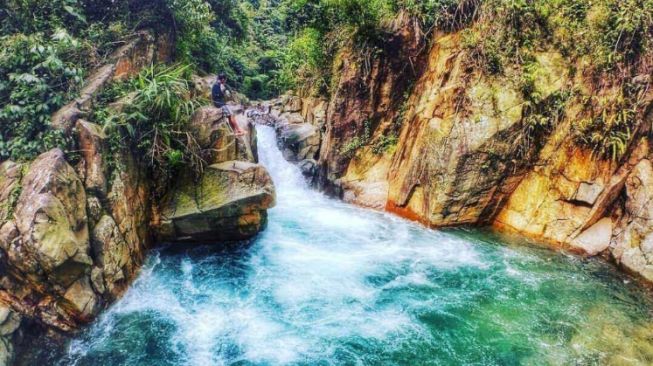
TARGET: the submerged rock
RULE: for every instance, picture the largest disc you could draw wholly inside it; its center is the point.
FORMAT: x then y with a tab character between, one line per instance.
229	202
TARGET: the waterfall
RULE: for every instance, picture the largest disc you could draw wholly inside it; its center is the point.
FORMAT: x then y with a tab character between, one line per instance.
331	284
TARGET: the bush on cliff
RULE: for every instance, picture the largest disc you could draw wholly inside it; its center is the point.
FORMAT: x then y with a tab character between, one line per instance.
153	118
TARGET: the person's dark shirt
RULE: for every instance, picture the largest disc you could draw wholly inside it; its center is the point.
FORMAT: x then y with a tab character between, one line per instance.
218	95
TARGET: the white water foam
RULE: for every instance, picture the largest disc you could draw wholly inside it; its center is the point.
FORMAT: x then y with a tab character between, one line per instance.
308	282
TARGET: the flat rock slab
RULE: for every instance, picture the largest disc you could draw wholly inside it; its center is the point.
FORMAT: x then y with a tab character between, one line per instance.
228	203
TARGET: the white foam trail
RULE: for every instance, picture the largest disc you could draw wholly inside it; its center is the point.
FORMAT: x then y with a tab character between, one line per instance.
307	284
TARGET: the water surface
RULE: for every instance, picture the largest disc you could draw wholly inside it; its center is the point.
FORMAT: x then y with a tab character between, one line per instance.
331	284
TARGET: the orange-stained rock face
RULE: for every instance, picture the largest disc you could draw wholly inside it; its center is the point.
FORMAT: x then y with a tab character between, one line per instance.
368	91
467	153
461	147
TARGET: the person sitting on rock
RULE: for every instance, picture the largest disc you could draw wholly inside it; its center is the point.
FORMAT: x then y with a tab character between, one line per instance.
220	93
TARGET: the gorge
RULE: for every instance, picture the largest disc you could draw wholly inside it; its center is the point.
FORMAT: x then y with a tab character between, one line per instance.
422	182
329	283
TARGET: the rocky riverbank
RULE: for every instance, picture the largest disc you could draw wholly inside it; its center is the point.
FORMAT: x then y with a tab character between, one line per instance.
75	231
459	147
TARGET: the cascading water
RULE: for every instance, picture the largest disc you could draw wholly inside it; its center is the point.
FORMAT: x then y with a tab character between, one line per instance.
331	284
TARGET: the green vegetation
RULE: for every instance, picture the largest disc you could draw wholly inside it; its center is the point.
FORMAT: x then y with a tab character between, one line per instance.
39	74
267	47
610	40
350	148
609	128
154	119
48	47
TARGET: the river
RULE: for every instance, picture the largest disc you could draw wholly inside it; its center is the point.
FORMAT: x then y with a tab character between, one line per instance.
332	284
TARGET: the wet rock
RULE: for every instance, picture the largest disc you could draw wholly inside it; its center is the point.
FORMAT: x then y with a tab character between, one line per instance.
308	167
298	141
228	203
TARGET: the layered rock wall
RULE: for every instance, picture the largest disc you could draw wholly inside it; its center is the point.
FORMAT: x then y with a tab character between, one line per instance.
75	230
471	148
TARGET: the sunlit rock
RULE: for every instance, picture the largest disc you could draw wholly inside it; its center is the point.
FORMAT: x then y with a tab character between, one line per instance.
229	202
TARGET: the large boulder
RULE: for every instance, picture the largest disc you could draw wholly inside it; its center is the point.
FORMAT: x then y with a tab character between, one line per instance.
213	134
229	202
298	142
51	218
45	244
632	246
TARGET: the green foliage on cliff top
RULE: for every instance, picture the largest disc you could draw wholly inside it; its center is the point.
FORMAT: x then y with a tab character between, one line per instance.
39	74
153	120
48	47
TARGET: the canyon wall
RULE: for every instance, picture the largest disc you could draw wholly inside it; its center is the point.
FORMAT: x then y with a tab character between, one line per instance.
465	147
75	229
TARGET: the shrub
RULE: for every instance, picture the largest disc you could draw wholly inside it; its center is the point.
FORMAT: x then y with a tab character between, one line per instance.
38	75
155	121
609	128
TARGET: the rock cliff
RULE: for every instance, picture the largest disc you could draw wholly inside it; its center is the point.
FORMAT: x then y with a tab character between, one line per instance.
74	230
464	147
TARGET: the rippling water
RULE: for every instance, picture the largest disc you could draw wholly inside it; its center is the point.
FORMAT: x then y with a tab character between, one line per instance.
331	284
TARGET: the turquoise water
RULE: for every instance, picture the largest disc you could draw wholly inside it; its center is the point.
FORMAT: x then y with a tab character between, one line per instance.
331	284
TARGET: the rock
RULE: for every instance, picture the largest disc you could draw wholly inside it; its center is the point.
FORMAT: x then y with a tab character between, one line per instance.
65	118
228	203
206	126
97	280
82	298
455	168
215	137
588	192
596	239
129	204
299	141
314	111
91	145
293	104
94	209
293	118
113	256
51	218
10	175
632	247
308	167
10	322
